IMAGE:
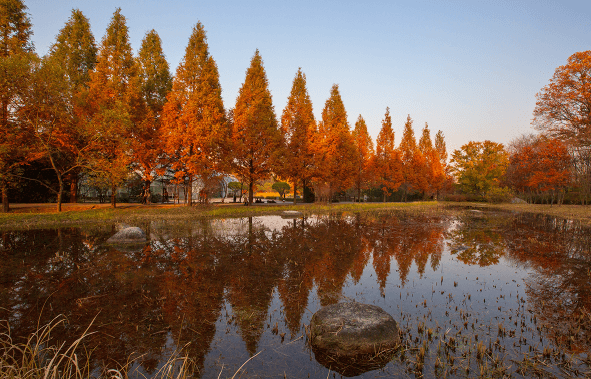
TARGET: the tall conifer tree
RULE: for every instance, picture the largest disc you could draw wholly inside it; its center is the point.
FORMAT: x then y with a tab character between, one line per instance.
364	158
255	132
194	119
408	149
298	127
156	83
433	171
335	148
75	51
16	53
113	105
388	163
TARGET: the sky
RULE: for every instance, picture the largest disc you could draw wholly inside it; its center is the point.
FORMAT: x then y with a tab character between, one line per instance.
469	68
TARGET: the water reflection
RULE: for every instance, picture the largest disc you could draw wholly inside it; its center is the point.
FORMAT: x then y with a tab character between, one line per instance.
201	286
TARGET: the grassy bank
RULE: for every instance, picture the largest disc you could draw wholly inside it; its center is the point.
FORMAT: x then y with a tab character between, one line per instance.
44	216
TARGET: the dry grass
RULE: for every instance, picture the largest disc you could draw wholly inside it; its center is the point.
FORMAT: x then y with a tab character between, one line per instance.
39	357
136	213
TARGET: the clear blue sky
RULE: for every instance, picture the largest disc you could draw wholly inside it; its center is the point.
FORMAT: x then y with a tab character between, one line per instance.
471	69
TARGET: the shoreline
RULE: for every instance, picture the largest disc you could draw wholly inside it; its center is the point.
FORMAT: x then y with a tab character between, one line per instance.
31	216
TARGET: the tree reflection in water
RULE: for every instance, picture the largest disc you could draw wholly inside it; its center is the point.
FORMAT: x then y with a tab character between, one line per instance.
194	284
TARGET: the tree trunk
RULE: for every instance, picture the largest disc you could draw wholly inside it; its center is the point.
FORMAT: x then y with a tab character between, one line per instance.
74	188
294	192
60	193
190	192
113	196
250	191
384	195
5	204
149	194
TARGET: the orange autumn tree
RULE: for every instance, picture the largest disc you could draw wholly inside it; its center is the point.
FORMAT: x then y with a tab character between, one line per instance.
298	127
194	119
563	107
388	166
441	149
433	171
155	83
408	152
256	139
541	166
113	106
334	149
364	170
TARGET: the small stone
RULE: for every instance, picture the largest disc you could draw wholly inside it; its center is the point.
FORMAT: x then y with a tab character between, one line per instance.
131	234
291	214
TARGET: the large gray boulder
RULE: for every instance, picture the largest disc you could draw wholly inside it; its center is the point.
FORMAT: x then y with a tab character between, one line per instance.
350	329
128	235
344	335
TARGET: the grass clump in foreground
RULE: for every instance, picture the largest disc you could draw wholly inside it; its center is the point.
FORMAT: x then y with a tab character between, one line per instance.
39	357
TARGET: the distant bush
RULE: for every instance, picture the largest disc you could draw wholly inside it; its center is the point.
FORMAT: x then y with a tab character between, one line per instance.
461	197
498	195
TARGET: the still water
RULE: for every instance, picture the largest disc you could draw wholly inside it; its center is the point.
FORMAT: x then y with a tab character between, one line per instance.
473	292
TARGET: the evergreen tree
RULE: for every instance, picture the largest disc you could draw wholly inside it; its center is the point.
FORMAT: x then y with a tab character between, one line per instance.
16	54
388	163
335	149
256	138
364	170
193	117
298	127
75	51
156	83
113	105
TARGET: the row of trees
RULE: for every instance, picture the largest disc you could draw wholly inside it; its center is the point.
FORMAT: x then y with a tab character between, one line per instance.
541	166
104	113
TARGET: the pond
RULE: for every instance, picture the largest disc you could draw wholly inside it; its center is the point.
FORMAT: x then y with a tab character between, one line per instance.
473	292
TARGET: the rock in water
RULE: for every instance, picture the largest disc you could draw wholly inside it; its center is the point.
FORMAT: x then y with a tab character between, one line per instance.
128	235
344	335
353	328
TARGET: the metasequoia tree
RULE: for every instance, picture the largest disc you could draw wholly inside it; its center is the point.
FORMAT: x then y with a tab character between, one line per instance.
298	127
256	139
194	118
75	51
335	149
433	170
364	168
155	84
408	152
16	53
479	166
113	105
46	111
388	166
563	107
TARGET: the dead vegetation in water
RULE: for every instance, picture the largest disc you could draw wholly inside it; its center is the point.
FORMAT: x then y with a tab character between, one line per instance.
41	357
